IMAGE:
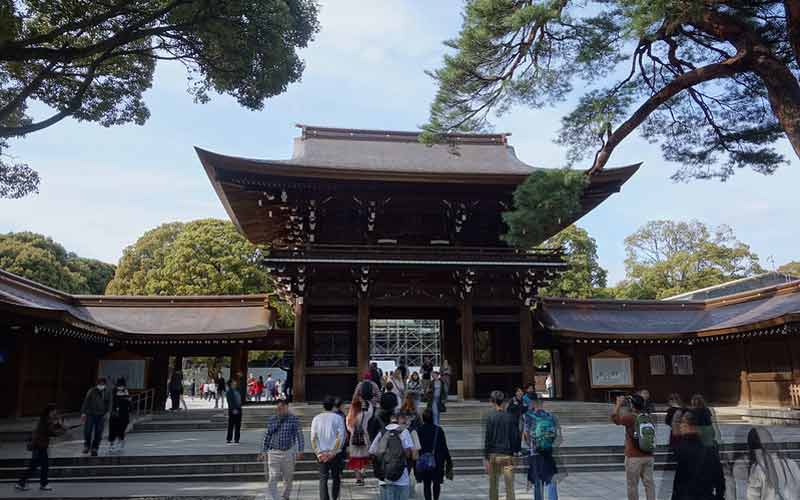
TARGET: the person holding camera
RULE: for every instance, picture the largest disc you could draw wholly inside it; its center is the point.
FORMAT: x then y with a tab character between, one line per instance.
640	443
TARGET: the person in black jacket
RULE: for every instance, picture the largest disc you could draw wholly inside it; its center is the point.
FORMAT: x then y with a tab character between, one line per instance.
699	474
516	407
120	416
501	442
432	440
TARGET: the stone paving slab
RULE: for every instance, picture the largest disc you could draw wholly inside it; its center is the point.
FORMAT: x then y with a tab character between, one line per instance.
462	437
578	486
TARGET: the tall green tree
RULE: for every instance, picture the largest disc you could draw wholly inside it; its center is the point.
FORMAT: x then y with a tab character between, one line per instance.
792	268
584	278
667	258
41	259
714	82
202	257
93	60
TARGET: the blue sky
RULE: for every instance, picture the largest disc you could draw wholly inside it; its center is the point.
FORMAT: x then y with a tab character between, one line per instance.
102	188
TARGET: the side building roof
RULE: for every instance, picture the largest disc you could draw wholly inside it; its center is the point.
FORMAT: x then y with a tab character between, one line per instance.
234	316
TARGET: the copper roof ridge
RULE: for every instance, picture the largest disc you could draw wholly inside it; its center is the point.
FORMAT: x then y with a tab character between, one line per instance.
314	131
617	303
239	300
755	294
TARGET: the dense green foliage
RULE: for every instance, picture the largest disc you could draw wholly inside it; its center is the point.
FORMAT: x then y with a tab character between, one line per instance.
667	258
792	268
93	61
713	82
546	199
41	259
202	257
584	278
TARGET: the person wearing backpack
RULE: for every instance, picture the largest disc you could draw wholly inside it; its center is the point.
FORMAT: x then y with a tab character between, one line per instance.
367	391
540	433
640	435
698	475
358	418
390	452
434	457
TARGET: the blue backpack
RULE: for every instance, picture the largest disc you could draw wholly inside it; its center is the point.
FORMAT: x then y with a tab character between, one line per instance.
543	430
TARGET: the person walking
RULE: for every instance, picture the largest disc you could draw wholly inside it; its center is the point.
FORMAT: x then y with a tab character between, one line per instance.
639	446
48	426
434	457
234	398
414	388
175	389
549	387
446	373
368	391
120	416
96	404
398	384
427	371
673	418
389	399
259	388
698	475
541	433
501	441
327	440
516	407
281	448
705	421
437	394
270	387
358	418
772	477
375	375
391	450
411	420
530	394
219	402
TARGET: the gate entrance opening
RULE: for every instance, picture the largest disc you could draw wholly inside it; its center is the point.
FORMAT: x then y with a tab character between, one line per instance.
410	340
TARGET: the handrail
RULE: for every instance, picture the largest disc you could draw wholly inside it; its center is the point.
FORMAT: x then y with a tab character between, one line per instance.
143	402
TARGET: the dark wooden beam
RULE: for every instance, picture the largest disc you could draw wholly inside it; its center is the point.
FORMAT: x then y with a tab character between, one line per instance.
300	356
362	336
467	348
526	346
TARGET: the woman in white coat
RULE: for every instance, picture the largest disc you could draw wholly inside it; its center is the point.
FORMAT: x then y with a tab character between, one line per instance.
772	477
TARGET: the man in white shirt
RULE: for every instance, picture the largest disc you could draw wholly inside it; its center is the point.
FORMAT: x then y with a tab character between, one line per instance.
381	450
327	440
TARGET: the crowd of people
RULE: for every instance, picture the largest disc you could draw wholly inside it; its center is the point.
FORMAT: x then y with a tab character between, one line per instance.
392	426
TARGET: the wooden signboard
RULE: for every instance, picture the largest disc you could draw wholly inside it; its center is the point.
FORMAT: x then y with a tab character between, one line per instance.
610	369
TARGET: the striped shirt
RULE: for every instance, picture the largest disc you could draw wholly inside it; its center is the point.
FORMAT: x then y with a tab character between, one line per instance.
282	433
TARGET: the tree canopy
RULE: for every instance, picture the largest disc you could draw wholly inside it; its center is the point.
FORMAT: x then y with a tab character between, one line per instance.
713	82
41	259
584	278
792	268
94	60
202	257
667	258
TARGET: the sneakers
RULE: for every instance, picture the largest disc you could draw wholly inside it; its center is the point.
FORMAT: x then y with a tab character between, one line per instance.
21	487
46	488
112	448
94	453
85	451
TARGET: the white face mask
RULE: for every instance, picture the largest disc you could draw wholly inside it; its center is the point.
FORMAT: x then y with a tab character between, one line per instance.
100	387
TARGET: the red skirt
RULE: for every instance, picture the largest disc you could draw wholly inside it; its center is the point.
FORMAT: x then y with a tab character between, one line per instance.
357	463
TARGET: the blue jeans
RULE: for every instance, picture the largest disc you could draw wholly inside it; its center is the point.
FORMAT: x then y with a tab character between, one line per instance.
435	408
93	431
393	492
539	487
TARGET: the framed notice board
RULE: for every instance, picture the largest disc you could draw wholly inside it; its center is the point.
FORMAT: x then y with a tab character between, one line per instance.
610	369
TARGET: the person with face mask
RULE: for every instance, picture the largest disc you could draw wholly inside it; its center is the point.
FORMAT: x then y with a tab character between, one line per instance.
96	405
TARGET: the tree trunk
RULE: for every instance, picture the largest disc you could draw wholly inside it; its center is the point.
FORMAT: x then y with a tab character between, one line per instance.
784	96
792	8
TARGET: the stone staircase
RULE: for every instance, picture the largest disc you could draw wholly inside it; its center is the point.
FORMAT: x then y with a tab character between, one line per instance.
245	467
459	414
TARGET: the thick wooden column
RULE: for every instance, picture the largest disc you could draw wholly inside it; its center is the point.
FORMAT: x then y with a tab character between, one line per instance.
159	372
467	349
526	346
300	356
362	337
239	369
22	373
580	368
745	396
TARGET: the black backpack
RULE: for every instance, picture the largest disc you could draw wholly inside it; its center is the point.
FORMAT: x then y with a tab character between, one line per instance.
366	391
390	458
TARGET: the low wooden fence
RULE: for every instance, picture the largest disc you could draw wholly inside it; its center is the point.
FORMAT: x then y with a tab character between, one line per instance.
794	394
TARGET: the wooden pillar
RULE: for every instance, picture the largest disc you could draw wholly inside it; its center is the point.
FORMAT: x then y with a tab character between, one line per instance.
239	369
22	373
745	396
362	337
62	360
526	347
300	356
159	372
467	349
581	368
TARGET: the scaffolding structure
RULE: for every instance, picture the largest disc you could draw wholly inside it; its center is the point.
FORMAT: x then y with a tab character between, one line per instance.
412	340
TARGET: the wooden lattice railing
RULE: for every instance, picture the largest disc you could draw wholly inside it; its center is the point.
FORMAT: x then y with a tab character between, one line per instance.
794	394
